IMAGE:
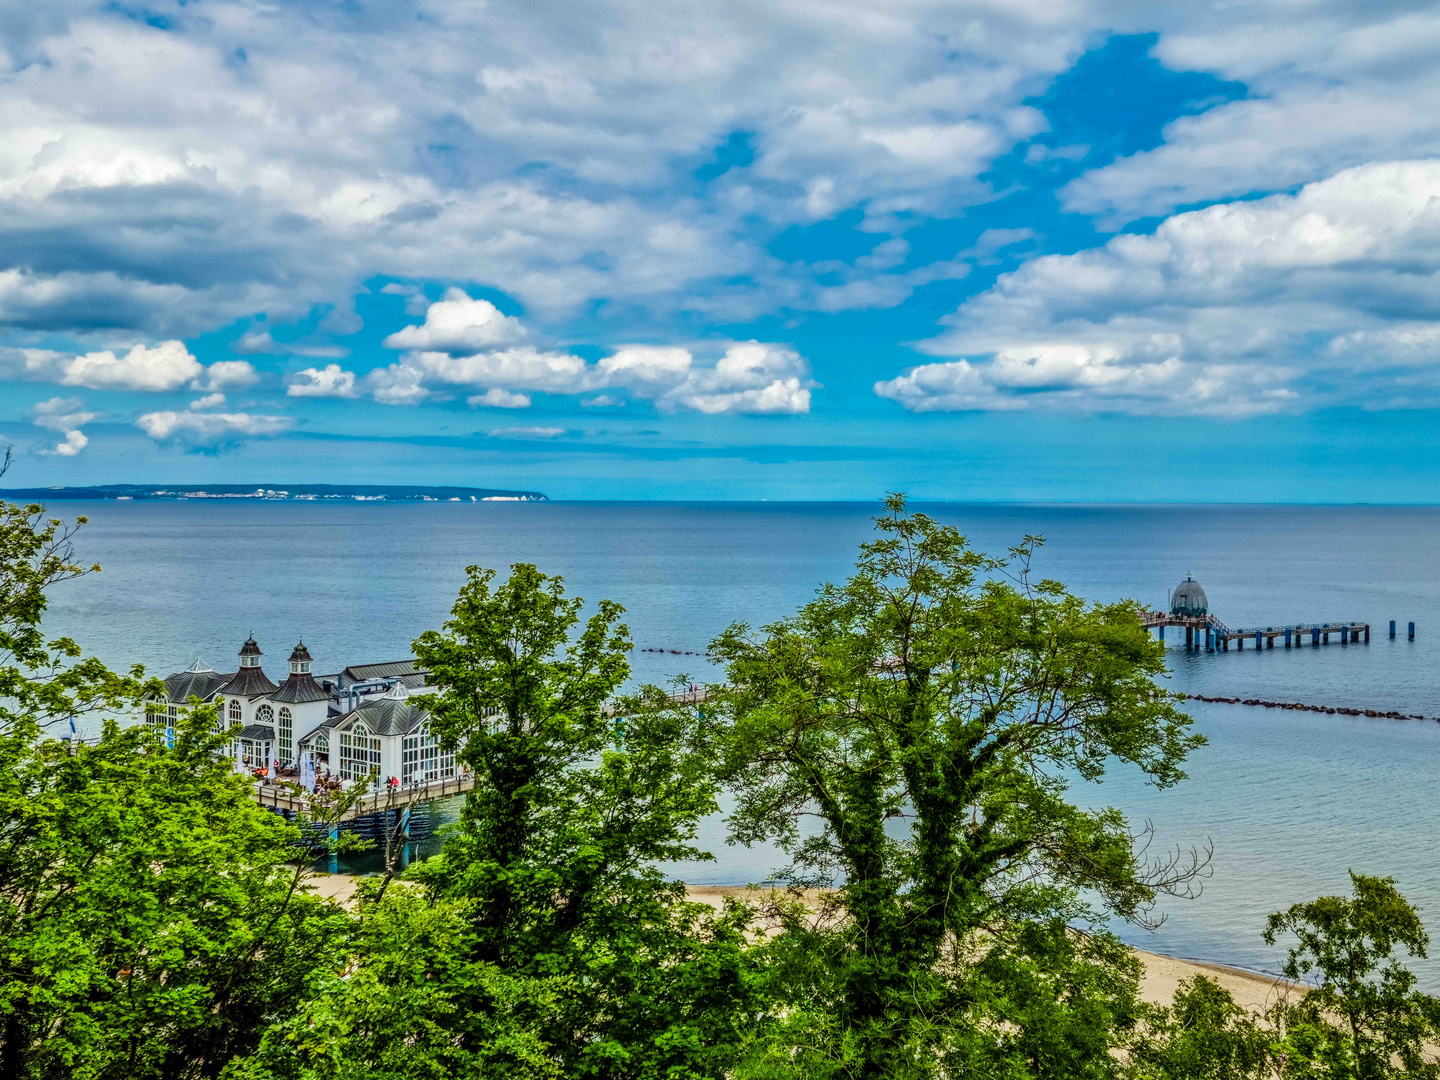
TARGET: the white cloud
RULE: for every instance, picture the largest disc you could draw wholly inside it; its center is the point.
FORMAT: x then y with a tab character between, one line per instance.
602	401
494	142
227	375
1329	87
154	369
750	377
210	430
167	366
209	401
526	433
1327	296
496	398
72	444
330	381
67	416
459	324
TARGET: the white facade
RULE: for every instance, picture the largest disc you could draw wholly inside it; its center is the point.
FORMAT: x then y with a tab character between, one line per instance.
357	724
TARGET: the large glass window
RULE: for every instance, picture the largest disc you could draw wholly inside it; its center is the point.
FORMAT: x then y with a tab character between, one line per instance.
235	710
285	733
359	752
421	759
155	713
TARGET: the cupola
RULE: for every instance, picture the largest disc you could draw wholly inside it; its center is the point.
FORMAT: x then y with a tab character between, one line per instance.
300	660
250	653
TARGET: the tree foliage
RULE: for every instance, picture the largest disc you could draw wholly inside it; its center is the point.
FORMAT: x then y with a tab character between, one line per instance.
1363	1017
151	923
558	855
929	717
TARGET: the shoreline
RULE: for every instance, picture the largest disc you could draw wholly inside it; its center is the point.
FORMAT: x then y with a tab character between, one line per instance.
1252	990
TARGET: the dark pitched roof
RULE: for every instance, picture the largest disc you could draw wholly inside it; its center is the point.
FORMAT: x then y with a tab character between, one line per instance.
298	689
257	731
197	680
391	714
250	648
249	682
300	653
388	669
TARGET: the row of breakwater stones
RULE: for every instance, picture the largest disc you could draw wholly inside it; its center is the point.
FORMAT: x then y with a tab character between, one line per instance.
1336	710
675	652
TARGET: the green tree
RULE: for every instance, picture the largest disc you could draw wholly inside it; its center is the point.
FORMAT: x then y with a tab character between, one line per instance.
557	856
151	922
1362	1019
412	1005
1203	1035
929	717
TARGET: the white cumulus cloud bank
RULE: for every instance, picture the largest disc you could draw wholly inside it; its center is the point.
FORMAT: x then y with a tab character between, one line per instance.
748	377
164	367
211	430
459	324
1327	296
67	416
330	381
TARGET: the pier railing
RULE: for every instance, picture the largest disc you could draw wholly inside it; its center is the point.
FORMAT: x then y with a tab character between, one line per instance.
1209	633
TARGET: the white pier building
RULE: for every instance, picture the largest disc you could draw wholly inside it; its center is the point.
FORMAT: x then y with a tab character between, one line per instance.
354	724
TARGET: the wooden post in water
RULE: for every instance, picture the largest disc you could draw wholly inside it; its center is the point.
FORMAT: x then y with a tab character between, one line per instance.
1392	628
1412	631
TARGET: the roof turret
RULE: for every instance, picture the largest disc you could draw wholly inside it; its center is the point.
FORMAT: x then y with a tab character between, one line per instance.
301	686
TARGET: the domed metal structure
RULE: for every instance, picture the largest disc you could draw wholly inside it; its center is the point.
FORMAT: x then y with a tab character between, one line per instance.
1189	598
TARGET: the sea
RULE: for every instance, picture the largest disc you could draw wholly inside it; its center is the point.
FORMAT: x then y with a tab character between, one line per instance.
1285	802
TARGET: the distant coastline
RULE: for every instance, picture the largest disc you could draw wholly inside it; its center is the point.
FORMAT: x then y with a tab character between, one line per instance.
273	493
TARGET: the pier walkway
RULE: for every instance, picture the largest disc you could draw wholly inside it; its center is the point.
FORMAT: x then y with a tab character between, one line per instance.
1209	633
291	799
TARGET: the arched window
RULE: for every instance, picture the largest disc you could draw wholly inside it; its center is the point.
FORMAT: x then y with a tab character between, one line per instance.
322	743
359	752
285	734
235	710
265	715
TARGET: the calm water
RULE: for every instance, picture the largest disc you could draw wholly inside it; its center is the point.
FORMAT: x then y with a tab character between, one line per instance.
1289	800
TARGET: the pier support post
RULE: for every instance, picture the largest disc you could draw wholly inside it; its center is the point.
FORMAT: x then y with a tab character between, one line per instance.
1224	643
1314	635
1189	638
1367	633
1344	635
1258	645
1392	627
1162	631
1287	637
334	853
1412	631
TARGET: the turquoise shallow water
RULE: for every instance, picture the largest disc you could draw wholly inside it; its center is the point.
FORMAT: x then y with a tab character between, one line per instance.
1289	800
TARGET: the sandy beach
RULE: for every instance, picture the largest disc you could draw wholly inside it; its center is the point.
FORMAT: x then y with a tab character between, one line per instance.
1163	974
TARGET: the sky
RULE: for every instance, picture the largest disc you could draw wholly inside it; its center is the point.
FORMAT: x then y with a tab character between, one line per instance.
1034	250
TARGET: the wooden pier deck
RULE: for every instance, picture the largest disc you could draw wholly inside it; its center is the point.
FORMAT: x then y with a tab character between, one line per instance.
284	797
289	798
1209	633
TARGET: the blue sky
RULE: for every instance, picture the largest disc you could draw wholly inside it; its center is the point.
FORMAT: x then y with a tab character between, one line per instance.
1090	252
